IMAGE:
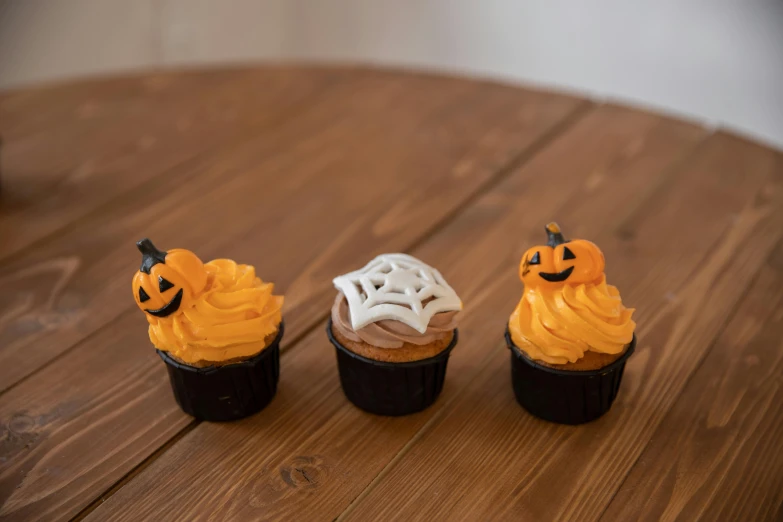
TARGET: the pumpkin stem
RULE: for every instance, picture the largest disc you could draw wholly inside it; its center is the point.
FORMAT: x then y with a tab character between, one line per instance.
151	256
555	235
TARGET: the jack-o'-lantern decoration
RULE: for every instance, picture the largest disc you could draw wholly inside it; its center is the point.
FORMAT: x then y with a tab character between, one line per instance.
167	282
561	262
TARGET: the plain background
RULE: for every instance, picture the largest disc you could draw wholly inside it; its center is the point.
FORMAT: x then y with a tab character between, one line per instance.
717	61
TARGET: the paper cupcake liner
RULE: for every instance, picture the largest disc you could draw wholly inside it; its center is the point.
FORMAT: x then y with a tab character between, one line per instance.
230	392
562	396
387	388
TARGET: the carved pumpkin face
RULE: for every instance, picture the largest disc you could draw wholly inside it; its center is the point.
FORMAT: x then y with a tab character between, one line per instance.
167	282
561	262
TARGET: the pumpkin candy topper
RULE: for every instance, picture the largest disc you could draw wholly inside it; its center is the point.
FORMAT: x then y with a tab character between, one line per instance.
167	281
198	311
561	261
567	308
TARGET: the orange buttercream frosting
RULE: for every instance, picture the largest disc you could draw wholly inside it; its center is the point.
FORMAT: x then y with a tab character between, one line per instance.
230	316
558	319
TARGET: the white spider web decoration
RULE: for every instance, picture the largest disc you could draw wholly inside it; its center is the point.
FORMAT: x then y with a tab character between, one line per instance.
394	286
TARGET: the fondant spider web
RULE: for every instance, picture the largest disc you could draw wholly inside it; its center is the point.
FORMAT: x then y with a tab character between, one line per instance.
394	286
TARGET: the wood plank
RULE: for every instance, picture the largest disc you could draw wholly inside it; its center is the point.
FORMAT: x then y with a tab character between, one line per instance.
87	105
677	259
311	453
717	453
61	440
111	137
440	141
465	133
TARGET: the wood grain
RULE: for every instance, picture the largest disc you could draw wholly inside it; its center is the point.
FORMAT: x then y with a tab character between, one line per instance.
94	420
679	259
67	151
717	453
319	452
465	133
431	142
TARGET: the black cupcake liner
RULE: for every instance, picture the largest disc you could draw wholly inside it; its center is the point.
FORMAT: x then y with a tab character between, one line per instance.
230	392
563	396
387	388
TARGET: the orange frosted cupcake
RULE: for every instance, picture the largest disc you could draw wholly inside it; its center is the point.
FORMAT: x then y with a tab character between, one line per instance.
570	334
216	326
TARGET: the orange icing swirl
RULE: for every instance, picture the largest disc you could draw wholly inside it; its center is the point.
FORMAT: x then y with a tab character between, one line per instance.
558	324
230	318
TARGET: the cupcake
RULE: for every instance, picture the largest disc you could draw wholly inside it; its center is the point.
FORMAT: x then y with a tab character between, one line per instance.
216	326
393	325
570	334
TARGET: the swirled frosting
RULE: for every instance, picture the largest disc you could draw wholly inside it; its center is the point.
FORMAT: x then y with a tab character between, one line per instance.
231	318
390	333
558	325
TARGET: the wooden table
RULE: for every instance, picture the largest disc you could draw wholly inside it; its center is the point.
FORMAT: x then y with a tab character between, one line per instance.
307	173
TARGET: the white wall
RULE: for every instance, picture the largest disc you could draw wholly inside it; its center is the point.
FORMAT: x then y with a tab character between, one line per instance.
714	60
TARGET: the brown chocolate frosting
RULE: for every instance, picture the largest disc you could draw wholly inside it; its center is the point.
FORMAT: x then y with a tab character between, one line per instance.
390	333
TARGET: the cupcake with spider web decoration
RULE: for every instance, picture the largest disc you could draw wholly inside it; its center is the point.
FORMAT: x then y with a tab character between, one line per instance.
393	325
570	335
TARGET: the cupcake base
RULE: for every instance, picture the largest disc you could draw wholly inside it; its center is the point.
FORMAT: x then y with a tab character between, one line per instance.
565	396
228	392
390	388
